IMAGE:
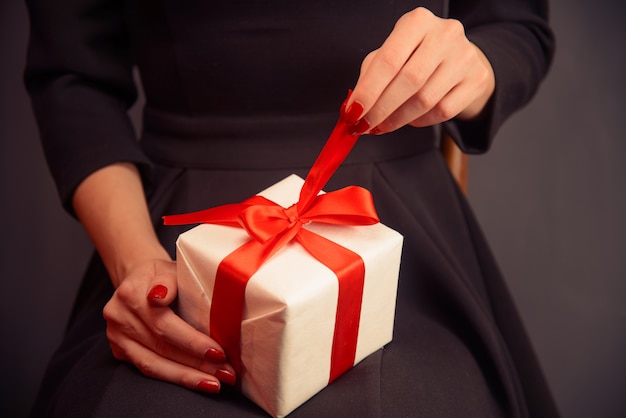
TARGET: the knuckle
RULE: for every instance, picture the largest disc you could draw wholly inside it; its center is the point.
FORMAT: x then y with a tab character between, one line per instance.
454	28
413	79
160	326
367	60
390	58
161	347
425	100
416	15
111	315
130	297
146	366
108	312
445	110
483	76
125	292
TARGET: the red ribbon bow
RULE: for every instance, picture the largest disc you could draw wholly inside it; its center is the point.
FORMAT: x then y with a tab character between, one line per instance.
271	227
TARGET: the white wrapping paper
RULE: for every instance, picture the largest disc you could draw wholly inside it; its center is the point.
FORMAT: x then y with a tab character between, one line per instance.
289	317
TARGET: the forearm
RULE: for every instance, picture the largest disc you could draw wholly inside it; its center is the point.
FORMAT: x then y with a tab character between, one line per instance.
110	204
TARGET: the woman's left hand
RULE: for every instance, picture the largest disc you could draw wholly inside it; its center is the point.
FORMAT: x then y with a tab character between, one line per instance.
426	72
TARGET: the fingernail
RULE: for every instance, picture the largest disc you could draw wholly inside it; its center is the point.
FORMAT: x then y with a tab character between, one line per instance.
226	376
209	386
359	128
353	113
158	292
215	355
375	131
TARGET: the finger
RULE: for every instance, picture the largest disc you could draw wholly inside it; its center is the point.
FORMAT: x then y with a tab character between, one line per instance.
221	370
389	59
449	107
163	284
434	69
169	330
468	97
153	326
428	98
121	329
158	367
422	81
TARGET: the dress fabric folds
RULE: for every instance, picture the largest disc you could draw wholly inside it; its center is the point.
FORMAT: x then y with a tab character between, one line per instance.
240	95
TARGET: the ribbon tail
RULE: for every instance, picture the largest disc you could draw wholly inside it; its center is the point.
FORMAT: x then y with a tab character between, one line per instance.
220	215
335	151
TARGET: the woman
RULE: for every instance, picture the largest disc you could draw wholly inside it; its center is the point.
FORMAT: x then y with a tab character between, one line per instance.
239	95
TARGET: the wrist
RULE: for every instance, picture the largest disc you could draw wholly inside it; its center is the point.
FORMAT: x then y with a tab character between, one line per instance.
132	259
110	204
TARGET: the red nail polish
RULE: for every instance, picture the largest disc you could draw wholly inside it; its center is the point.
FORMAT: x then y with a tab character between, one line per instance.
353	113
375	131
359	128
209	386
226	376
215	355
158	292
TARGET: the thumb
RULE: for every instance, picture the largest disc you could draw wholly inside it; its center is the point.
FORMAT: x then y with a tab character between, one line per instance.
164	285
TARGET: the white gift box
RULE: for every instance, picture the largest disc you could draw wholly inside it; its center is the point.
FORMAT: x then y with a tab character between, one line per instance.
290	302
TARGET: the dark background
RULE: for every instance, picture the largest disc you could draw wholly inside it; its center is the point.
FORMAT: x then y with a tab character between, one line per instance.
551	198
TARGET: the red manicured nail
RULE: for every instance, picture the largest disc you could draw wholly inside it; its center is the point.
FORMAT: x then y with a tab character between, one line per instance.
359	128
375	131
226	376
158	292
209	386
353	113
215	355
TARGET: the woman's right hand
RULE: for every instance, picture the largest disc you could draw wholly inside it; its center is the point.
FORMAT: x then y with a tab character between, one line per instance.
426	72
143	330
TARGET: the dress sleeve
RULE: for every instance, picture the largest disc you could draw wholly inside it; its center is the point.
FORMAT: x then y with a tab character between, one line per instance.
79	76
517	39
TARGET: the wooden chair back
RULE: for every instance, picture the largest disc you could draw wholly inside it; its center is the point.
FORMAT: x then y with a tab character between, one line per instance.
456	159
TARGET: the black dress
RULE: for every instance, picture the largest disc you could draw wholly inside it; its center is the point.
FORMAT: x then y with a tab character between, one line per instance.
240	94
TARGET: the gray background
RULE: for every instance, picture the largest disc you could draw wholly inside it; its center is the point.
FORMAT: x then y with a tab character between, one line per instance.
550	197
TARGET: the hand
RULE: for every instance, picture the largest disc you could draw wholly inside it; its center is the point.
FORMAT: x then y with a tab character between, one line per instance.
144	330
426	72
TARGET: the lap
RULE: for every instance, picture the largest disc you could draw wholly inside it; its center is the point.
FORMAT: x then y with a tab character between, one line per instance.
434	377
448	356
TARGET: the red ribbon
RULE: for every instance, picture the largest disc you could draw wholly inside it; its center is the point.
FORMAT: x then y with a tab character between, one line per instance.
270	227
